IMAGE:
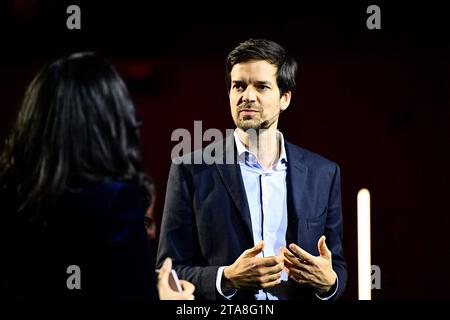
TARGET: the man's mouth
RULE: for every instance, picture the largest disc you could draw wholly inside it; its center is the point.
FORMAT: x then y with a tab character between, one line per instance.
248	112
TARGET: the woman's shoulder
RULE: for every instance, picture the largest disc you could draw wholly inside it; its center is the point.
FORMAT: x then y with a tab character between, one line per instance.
106	189
109	196
109	186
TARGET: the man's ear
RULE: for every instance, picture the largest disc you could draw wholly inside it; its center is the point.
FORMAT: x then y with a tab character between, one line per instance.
285	100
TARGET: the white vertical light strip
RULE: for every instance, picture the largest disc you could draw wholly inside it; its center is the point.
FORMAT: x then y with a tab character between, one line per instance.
364	263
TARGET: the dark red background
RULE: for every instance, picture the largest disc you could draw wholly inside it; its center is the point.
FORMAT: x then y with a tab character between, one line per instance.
374	101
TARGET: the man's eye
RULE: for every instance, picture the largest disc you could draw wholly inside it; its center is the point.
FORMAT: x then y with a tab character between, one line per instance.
238	87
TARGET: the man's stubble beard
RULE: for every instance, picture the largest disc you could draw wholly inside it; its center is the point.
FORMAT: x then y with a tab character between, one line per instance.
256	124
247	124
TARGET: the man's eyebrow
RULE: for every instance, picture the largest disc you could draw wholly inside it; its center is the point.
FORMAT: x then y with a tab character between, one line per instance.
263	82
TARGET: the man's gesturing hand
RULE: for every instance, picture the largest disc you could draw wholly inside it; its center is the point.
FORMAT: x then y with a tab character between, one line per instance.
306	269
249	271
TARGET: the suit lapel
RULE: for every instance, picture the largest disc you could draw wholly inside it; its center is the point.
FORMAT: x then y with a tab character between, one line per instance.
295	184
232	180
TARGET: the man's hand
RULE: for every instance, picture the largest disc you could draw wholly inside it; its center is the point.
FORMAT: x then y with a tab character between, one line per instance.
249	271
306	269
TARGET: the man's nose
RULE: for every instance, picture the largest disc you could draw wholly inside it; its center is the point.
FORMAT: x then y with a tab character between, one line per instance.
249	94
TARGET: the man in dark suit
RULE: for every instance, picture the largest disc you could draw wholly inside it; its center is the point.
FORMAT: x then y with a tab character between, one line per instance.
263	220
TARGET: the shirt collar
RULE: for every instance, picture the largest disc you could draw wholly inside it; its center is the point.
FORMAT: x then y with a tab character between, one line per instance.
245	156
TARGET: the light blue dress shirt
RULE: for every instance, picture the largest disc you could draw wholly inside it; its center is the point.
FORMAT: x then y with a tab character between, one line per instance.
267	201
266	196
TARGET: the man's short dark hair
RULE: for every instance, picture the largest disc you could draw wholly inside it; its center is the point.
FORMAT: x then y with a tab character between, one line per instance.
272	52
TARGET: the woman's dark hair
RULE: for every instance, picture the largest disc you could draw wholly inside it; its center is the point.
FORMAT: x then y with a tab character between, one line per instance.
261	49
77	126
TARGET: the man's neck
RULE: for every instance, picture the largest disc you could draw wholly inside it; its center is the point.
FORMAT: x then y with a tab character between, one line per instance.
262	143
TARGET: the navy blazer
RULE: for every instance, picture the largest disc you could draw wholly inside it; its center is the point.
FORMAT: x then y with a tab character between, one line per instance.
100	229
206	221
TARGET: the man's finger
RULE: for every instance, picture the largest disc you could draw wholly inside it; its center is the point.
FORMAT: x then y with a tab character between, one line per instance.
280	252
270	261
323	249
271	277
293	258
254	251
302	254
271	270
299	275
270	284
287	253
292	262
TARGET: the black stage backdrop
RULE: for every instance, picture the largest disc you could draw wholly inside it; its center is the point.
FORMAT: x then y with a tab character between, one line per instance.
374	101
